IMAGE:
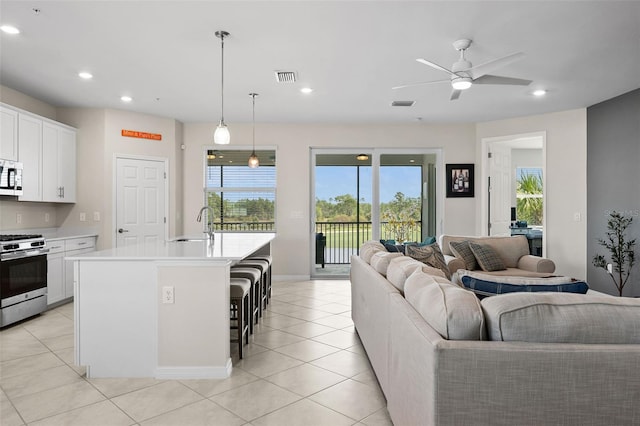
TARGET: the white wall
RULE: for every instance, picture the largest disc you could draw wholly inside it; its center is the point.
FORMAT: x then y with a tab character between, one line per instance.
27	103
565	180
99	139
291	248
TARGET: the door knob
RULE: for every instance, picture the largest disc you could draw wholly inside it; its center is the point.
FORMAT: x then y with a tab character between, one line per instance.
120	231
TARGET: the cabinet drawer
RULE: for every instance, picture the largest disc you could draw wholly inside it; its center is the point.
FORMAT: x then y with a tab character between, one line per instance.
56	246
79	243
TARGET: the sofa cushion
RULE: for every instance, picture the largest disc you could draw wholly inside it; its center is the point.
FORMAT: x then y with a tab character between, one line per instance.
562	318
369	248
401	268
430	255
462	250
510	249
487	257
380	261
499	285
454	312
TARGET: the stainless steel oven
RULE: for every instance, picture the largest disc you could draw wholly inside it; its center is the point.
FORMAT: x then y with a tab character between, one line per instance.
23	277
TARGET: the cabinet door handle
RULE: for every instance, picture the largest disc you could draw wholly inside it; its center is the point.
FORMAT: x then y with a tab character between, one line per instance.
82	244
62	191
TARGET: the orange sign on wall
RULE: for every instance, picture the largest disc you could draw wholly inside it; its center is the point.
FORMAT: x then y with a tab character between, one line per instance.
141	135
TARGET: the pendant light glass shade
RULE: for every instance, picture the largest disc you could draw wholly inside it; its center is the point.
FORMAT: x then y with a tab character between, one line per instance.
222	135
253	158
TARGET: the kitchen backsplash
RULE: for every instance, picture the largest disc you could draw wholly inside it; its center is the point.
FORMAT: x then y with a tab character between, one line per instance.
25	215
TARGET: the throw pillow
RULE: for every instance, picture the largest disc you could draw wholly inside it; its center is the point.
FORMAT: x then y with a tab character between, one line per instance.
462	250
487	257
483	288
394	248
430	255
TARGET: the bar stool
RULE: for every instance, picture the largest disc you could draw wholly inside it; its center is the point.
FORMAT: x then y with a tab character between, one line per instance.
269	259
253	275
263	266
240	292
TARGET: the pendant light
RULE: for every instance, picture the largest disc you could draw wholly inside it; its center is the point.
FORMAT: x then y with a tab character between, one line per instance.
253	159
222	135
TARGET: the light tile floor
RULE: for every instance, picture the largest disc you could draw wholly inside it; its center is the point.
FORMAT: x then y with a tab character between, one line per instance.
305	365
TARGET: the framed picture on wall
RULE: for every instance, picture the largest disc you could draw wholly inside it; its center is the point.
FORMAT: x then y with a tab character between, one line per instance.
459	180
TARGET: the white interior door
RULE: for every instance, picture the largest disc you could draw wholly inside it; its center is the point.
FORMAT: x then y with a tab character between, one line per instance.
140	201
500	189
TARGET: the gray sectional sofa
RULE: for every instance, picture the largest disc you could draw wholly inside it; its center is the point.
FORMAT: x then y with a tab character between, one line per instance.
443	357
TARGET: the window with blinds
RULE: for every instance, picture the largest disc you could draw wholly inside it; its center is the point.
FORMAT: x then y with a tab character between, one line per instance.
243	199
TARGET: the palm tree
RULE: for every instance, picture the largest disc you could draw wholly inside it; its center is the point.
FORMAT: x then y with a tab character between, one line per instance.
529	195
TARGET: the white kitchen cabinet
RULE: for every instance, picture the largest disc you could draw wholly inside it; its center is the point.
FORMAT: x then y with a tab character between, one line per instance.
8	134
59	271
55	272
58	164
75	247
30	155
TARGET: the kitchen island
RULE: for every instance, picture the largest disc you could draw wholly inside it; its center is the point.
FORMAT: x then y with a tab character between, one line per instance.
159	310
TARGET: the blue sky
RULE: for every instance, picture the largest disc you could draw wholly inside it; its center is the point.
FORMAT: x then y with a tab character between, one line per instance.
339	180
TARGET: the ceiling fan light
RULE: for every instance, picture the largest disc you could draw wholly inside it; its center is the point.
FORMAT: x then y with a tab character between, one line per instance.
461	83
222	135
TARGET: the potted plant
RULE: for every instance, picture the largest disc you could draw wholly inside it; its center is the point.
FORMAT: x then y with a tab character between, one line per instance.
621	250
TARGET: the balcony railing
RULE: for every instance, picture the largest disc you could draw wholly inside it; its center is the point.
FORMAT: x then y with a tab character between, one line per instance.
345	238
342	238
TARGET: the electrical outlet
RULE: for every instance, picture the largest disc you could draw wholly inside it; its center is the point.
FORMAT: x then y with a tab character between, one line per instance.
577	217
168	294
18	218
96	216
83	216
47	217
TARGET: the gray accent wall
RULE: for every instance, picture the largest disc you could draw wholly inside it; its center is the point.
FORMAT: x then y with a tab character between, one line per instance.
613	180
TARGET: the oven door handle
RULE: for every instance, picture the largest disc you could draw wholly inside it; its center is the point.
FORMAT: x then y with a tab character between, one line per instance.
23	254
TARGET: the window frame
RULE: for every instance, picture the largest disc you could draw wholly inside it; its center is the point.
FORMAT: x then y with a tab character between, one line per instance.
240	189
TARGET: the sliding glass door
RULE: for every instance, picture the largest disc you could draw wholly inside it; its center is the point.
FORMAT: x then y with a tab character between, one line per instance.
368	194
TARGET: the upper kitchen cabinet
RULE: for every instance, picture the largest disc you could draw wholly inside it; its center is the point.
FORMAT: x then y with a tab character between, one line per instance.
47	151
58	163
8	134
30	155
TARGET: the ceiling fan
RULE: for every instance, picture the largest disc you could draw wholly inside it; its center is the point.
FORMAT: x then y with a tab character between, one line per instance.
464	75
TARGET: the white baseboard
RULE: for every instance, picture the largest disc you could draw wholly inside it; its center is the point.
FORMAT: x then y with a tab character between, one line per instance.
282	278
172	373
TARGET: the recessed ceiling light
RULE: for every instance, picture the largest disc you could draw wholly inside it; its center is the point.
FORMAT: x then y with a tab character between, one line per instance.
10	29
126	98
412	161
306	90
539	92
85	75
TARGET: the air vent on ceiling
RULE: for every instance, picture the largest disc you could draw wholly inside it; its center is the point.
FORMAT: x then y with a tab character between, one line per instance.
403	103
285	76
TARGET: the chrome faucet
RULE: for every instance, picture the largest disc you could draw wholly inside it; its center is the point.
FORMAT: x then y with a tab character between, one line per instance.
209	230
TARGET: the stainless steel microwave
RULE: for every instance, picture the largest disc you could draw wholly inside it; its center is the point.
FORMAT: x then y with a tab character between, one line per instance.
10	177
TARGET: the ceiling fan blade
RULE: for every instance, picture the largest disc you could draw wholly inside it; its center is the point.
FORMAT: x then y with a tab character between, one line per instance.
421	83
496	79
434	65
455	94
487	67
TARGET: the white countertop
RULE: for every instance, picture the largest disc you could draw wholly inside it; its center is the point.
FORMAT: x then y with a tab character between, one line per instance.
226	247
53	234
